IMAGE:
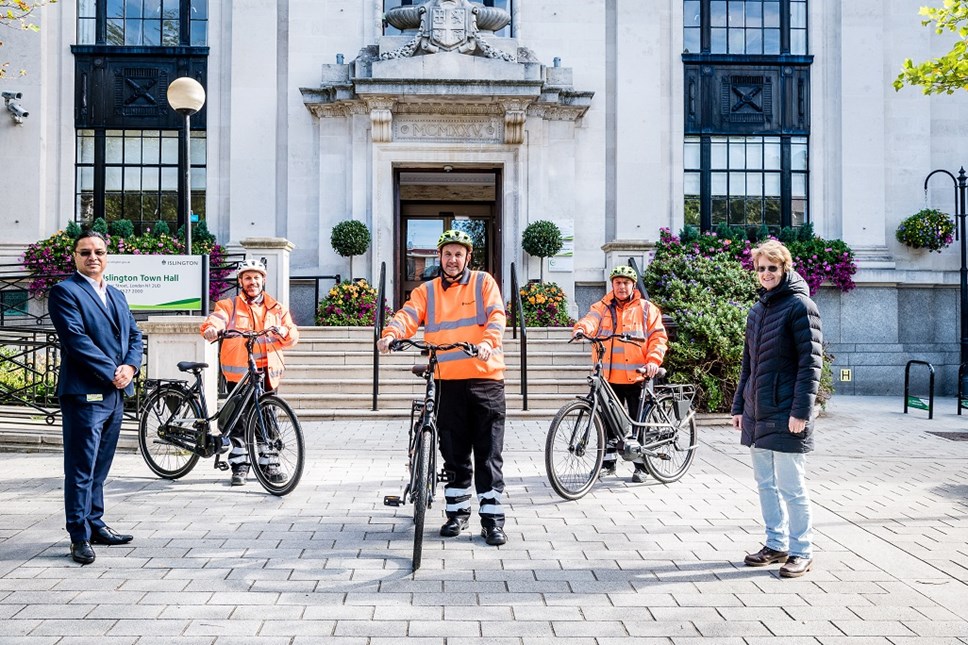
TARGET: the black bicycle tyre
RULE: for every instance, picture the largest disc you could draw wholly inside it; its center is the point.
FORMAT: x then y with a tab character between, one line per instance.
681	449
287	440
421	495
166	459
572	475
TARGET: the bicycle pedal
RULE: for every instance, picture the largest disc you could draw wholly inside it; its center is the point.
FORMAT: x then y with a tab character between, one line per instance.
221	465
392	500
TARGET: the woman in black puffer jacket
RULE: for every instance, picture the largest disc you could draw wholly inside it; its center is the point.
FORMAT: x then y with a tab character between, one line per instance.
773	406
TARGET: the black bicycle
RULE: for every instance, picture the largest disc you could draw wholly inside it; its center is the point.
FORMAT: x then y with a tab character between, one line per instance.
422	442
175	429
666	439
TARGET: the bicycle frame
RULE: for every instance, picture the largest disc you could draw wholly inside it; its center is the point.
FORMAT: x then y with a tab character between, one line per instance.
426	430
605	403
249	390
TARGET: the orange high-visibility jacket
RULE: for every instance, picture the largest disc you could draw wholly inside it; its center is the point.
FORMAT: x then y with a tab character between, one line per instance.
640	319
471	310
236	313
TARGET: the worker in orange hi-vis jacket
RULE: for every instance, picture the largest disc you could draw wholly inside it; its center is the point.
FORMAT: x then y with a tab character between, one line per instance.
462	305
252	310
626	365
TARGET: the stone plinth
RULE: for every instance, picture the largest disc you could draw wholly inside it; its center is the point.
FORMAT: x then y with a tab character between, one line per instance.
173	339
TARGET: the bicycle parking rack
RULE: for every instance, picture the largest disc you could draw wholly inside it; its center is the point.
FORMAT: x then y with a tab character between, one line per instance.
918	402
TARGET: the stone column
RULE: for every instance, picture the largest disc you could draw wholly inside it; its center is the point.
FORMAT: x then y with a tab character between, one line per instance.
276	251
172	339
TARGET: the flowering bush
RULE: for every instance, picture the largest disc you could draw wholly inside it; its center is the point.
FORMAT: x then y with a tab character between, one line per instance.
927	229
704	282
543	305
349	304
819	261
50	261
703	286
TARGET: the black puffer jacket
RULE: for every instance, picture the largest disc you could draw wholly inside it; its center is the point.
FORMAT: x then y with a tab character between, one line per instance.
782	358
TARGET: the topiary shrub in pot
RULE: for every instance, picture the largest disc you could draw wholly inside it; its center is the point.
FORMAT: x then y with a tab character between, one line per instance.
542	239
350	237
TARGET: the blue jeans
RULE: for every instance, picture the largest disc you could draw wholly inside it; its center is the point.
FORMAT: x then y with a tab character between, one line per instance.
784	500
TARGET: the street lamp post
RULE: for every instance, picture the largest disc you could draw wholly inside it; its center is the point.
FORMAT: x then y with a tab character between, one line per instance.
961	213
186	96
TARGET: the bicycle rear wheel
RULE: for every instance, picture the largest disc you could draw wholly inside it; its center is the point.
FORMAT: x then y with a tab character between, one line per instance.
421	494
163	406
574	449
675	456
277	458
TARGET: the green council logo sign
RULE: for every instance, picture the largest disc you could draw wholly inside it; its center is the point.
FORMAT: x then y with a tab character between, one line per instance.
158	282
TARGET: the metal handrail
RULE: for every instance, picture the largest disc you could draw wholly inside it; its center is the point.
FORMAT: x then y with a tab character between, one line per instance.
517	321
640	283
337	278
378	323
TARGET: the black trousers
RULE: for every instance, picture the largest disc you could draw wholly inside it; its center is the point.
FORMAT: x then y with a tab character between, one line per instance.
470	421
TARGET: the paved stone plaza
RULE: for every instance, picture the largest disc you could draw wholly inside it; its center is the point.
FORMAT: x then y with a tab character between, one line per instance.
627	564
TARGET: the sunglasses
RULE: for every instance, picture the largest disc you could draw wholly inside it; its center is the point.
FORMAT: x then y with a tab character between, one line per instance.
86	252
772	268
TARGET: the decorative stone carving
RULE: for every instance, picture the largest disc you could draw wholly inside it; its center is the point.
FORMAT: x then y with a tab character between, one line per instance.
381	119
448	26
448	129
514	118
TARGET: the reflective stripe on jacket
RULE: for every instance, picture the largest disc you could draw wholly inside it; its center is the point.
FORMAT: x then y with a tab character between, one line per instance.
471	310
236	313
640	319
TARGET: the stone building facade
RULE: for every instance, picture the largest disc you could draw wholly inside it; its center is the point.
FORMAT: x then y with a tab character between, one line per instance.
612	118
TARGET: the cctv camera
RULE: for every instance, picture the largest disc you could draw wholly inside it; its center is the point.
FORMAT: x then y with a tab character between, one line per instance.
12	96
18	111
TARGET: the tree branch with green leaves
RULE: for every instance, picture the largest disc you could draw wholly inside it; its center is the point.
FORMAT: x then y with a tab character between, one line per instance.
949	72
16	14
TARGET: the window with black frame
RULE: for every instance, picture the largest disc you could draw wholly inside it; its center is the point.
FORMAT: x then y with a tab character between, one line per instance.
752	27
126	162
137	172
142	23
389	30
746	146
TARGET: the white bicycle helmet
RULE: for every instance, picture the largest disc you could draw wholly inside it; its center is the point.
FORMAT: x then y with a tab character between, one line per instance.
252	265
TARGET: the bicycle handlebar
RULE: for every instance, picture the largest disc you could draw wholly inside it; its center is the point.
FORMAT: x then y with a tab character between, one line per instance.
624	337
398	345
237	333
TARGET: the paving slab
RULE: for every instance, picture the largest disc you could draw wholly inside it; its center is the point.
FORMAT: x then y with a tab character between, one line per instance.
629	563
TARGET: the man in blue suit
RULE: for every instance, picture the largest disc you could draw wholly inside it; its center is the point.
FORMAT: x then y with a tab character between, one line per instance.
100	356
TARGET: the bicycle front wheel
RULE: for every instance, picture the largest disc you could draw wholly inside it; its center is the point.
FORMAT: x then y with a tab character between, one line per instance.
673	457
421	494
574	450
275	444
166	411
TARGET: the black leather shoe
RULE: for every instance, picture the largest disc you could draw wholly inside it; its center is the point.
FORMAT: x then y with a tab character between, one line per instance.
495	536
109	537
82	552
453	527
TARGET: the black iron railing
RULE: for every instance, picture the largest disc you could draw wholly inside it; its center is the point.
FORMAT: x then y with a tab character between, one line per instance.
379	320
518	322
316	279
29	365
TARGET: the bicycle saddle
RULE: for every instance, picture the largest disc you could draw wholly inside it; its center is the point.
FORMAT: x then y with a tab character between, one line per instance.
189	366
420	370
